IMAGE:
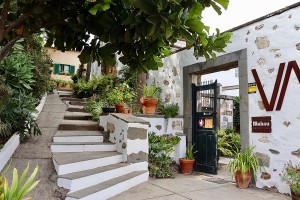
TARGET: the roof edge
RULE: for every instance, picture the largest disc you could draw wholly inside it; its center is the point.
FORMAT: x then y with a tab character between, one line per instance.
278	12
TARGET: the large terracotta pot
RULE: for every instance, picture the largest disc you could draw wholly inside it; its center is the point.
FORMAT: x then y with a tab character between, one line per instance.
120	108
149	105
186	166
295	195
240	183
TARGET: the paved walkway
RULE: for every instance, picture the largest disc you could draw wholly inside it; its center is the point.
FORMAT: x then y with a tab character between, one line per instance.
196	187
36	150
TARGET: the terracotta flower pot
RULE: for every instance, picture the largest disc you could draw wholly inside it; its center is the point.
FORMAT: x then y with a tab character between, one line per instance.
186	166
149	105
120	108
125	111
240	183
295	195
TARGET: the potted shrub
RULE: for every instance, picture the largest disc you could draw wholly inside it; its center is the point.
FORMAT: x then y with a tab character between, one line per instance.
241	166
121	94
187	163
150	98
108	105
291	175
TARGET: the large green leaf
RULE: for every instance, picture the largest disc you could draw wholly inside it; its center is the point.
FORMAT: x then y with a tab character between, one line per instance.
196	25
196	11
223	3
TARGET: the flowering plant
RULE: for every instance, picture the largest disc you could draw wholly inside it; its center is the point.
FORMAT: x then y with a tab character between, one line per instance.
291	175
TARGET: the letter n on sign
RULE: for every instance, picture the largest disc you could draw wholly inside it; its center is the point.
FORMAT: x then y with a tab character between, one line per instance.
261	124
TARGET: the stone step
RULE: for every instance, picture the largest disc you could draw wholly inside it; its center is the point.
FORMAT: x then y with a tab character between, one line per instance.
82	146
77	116
78	136
65	92
77	103
79	180
75	108
79	125
111	187
66	163
72	99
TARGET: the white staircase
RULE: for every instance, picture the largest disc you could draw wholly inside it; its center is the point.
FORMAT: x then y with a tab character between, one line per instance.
90	168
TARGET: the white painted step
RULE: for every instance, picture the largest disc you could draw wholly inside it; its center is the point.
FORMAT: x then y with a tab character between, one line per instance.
80	180
66	163
82	146
110	188
78	136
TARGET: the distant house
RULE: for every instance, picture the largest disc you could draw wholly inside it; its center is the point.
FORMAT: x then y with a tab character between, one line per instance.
64	63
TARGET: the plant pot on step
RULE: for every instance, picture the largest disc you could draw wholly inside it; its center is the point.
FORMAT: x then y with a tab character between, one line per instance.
186	166
108	109
149	105
120	108
240	182
125	111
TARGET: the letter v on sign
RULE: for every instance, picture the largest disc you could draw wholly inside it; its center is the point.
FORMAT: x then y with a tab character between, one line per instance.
270	106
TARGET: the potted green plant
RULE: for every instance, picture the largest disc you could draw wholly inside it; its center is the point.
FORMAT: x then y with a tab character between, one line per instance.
150	98
187	163
291	175
107	104
241	166
121	94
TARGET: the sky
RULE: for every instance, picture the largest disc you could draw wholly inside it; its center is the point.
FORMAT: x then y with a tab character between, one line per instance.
242	11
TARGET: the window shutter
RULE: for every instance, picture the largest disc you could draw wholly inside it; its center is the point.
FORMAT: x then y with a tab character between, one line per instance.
72	69
56	68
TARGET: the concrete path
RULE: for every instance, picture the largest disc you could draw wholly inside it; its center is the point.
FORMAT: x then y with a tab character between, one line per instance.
36	151
196	187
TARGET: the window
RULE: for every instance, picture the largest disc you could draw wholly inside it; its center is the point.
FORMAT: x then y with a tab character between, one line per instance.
58	68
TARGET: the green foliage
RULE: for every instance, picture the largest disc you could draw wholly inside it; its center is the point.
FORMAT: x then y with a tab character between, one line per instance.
189	154
19	187
151	91
41	60
17	74
236	113
245	162
93	107
141	32
160	149
74	77
121	94
98	85
170	110
291	175
18	70
229	142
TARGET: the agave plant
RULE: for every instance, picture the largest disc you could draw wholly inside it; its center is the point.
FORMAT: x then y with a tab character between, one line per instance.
18	189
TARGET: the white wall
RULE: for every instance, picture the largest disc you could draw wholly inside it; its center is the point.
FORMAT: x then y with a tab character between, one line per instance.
268	42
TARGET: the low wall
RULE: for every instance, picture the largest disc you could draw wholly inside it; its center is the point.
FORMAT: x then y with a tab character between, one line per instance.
174	126
130	135
11	145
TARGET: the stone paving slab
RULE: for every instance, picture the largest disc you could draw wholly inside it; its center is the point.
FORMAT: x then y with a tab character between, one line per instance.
50	119
194	187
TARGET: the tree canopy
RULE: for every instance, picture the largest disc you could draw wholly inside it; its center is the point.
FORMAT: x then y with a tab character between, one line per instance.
140	31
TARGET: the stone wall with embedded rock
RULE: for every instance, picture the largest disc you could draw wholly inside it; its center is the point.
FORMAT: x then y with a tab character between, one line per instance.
269	42
130	135
174	126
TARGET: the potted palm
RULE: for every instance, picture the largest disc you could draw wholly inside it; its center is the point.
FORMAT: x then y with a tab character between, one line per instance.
187	163
291	175
150	98
241	166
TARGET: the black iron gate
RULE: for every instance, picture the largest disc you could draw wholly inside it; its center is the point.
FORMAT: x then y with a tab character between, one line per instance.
204	105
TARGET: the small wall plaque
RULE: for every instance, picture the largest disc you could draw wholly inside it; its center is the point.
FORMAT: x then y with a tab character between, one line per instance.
261	124
251	88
